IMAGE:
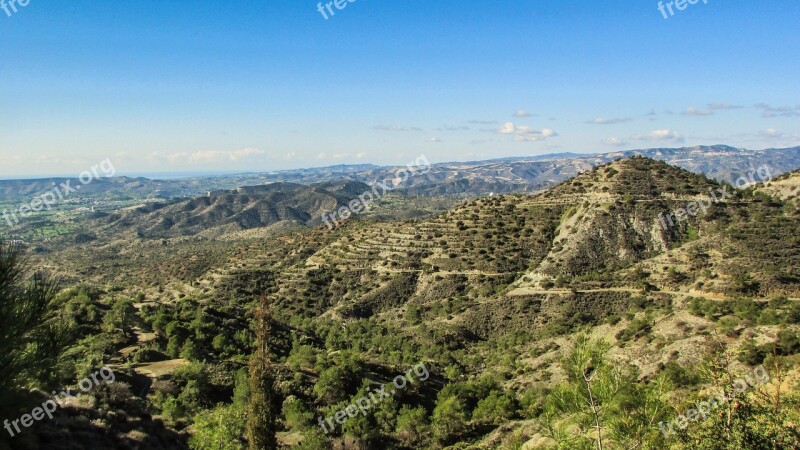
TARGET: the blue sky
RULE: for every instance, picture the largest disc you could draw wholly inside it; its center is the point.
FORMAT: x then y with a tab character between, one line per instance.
271	84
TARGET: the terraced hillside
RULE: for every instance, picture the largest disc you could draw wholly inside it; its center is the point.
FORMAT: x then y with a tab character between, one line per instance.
600	231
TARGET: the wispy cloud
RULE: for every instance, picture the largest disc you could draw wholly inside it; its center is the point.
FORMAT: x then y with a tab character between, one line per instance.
602	121
434	140
395	128
453	128
768	111
709	110
525	133
482	122
722	106
697	112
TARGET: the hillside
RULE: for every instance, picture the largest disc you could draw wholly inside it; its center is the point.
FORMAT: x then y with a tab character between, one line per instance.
490	295
785	187
220	212
432	189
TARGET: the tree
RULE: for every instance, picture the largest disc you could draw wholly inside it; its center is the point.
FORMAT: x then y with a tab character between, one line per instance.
497	408
263	407
602	405
219	429
296	413
386	415
759	416
121	318
32	332
448	417
411	425
189	351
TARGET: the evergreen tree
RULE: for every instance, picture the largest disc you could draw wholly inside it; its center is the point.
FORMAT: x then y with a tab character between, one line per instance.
32	334
263	406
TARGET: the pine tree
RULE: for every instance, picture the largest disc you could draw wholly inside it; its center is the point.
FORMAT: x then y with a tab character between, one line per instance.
32	334
263	406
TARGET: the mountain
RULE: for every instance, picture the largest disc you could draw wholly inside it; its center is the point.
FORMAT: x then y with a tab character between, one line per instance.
114	186
721	162
278	204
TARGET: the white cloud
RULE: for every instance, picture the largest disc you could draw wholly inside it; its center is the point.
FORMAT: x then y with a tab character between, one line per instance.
525	133
772	134
659	136
521	113
602	121
614	142
507	128
361	155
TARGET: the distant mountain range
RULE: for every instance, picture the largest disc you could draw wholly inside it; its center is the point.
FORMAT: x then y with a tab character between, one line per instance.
506	175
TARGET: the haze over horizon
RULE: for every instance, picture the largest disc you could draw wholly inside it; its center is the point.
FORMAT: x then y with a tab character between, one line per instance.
259	86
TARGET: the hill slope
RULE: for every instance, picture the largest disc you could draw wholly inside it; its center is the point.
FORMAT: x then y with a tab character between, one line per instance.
491	296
